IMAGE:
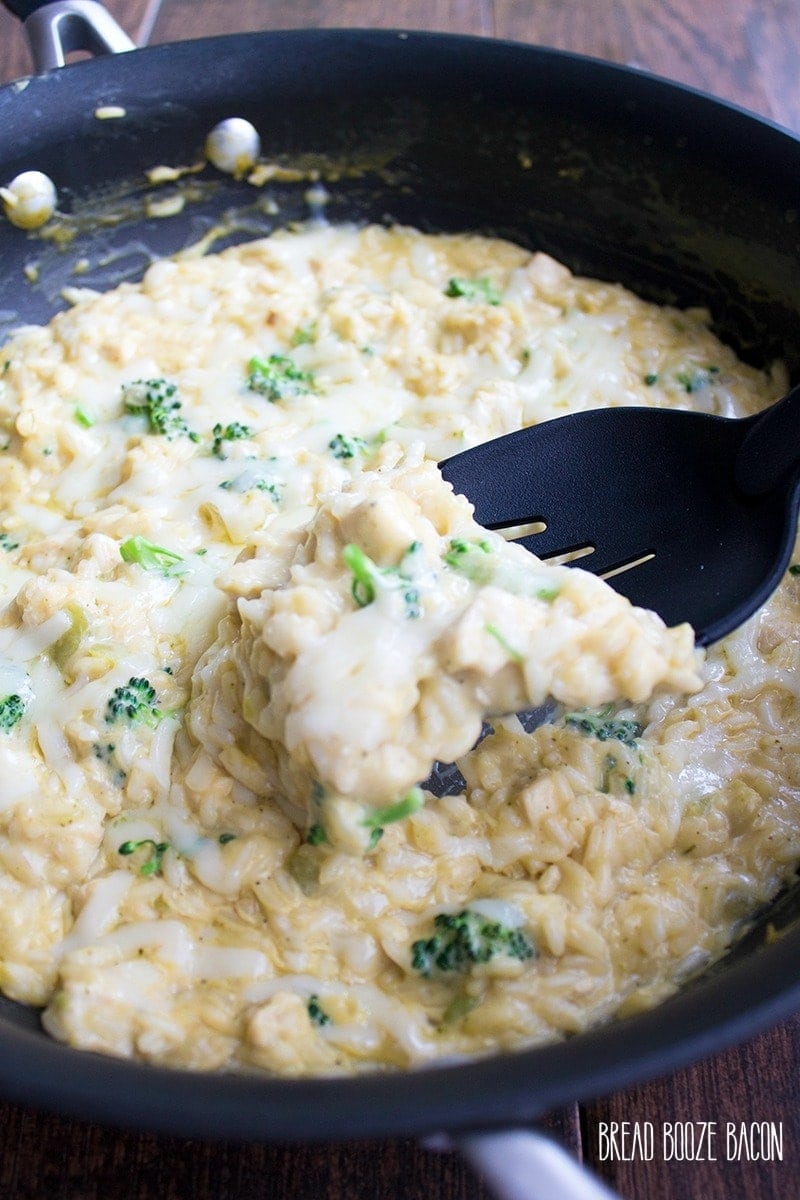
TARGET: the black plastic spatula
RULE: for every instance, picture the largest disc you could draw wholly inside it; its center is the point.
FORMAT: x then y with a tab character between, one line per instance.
706	507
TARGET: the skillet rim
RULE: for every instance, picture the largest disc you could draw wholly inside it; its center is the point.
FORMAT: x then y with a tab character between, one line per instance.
733	1002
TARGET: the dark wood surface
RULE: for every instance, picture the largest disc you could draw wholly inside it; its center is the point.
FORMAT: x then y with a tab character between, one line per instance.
742	50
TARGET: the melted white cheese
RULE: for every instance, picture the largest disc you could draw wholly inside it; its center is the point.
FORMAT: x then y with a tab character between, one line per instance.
306	365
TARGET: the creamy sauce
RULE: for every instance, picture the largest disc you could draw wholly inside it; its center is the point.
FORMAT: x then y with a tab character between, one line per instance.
214	854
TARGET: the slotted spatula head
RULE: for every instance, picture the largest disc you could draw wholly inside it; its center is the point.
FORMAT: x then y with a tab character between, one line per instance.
657	487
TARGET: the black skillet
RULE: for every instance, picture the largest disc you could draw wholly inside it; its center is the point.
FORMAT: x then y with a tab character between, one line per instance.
623	176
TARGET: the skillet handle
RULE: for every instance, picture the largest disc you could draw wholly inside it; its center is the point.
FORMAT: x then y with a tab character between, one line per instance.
56	29
525	1164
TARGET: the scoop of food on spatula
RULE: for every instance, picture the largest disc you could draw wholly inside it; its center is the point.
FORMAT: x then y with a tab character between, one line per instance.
692	515
463	625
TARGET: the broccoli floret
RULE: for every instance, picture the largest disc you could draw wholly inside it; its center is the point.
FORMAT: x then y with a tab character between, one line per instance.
473	289
603	725
249	481
317	1013
316	835
12	710
234	432
342	446
615	775
465	938
157	850
135	702
157	400
151	557
278	377
105	753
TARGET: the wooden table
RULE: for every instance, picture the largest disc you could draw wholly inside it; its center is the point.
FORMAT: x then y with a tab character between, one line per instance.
742	50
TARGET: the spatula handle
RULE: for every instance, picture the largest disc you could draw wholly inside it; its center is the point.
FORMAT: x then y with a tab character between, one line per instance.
527	1165
770	451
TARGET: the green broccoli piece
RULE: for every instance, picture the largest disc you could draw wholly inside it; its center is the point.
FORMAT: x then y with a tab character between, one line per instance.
473	289
412	802
278	378
82	417
317	1013
157	850
106	754
375	821
12	710
248	482
466	938
135	702
696	379
473	559
233	432
156	399
514	654
615	772
305	335
366	574
368	577
603	725
63	648
151	557
479	563
459	1007
342	446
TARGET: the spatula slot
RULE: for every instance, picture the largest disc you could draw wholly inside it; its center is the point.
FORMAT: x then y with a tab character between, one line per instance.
628	566
569	556
527	529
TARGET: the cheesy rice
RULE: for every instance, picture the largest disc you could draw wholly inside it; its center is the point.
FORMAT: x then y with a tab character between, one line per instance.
243	616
